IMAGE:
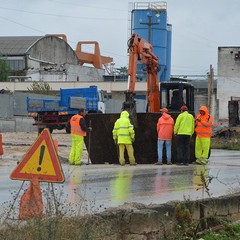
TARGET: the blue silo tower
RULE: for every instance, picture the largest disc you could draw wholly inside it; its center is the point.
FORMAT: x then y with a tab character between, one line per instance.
149	21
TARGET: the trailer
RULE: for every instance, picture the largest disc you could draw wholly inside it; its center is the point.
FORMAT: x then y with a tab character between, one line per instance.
56	113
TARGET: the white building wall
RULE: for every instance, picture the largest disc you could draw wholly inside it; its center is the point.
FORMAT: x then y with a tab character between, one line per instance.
109	87
73	73
228	83
69	73
84	73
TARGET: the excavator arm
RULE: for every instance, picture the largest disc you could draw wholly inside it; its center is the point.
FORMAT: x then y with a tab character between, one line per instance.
141	50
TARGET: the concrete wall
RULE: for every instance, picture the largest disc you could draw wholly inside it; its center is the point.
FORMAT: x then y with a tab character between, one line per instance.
14	104
84	73
17	124
13	112
140	222
6	101
228	77
72	73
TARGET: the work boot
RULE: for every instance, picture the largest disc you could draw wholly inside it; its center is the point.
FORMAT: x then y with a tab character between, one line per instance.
133	164
169	163
79	164
198	161
203	161
158	163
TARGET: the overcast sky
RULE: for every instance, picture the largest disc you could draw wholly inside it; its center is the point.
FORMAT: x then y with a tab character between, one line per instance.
199	27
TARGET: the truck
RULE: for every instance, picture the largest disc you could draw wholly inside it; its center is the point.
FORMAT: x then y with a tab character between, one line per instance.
56	113
171	94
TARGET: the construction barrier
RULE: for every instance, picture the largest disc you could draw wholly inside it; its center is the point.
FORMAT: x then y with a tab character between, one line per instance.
31	203
56	144
1	148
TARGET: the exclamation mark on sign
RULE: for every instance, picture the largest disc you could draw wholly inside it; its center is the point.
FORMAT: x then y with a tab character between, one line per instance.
41	157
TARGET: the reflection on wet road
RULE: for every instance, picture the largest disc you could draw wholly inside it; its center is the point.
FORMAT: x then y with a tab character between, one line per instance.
91	188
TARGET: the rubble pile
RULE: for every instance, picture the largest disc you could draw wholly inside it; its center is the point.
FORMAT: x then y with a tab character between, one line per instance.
226	138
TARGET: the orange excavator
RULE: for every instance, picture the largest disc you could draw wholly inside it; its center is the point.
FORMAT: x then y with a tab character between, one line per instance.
141	50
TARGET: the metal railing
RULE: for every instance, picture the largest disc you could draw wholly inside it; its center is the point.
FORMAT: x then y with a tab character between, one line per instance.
149	5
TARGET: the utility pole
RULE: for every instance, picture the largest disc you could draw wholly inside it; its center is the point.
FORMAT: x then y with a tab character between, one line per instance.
149	24
210	87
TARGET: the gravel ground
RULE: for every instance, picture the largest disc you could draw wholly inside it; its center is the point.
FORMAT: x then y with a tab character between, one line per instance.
16	144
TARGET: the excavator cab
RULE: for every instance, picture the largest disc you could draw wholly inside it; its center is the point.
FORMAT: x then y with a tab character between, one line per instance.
130	105
175	94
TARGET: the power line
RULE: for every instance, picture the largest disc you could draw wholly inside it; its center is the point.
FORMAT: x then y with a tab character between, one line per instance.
87	6
37	30
60	15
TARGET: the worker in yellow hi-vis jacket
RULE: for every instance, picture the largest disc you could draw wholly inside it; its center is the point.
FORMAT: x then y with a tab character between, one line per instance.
124	136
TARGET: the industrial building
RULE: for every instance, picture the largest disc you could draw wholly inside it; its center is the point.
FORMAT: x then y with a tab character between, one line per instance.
45	58
228	84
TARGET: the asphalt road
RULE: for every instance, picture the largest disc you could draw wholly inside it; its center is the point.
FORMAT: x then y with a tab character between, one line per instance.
93	188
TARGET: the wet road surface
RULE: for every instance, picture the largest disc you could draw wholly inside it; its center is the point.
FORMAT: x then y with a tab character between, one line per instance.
93	188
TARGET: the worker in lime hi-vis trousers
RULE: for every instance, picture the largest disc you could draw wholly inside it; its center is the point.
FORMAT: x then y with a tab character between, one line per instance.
78	132
203	129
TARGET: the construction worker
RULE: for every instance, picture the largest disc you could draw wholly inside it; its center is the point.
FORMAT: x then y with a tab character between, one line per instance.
165	127
123	135
78	132
203	129
184	129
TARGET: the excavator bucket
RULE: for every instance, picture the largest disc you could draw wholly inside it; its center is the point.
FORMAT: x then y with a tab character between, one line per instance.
103	149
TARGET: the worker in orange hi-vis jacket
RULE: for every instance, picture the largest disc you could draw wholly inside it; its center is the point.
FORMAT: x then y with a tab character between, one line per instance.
78	132
203	129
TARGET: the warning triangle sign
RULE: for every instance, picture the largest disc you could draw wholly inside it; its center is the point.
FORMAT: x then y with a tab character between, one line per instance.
41	161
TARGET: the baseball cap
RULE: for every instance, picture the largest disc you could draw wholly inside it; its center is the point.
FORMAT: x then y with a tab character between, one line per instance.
184	108
164	110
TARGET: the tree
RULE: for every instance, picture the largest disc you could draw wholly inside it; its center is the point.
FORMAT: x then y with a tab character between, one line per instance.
4	70
40	88
123	70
